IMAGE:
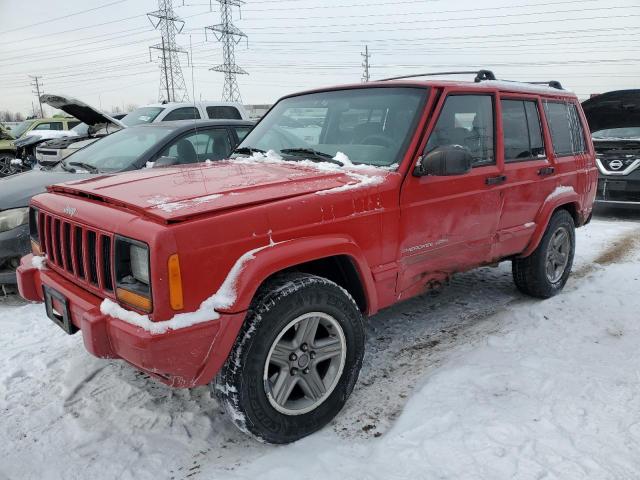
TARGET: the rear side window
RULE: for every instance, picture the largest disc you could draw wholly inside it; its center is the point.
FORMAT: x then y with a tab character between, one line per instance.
522	130
566	129
49	126
185	113
224	111
467	121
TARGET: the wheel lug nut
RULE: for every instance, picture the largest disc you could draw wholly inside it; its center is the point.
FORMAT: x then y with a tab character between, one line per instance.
294	371
305	371
293	357
312	355
304	347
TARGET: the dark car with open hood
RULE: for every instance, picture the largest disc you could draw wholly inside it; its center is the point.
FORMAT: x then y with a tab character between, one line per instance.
168	143
614	120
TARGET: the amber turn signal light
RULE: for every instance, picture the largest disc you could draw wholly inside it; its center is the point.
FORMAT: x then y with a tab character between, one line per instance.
133	299
35	248
175	283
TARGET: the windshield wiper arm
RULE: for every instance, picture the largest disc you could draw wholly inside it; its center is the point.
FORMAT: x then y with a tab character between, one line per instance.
86	166
318	156
249	150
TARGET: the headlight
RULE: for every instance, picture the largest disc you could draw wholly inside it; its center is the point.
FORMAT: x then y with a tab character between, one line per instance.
133	285
13	218
139	263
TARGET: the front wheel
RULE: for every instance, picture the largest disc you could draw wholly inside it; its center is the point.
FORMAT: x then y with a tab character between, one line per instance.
544	273
296	359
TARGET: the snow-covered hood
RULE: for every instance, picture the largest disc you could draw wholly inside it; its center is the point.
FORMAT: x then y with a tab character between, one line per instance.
80	110
617	109
35	136
176	193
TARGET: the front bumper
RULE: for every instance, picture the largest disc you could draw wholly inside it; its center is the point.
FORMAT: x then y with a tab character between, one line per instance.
623	190
184	358
14	244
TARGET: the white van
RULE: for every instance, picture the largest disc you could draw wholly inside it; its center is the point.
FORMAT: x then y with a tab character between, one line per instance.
165	112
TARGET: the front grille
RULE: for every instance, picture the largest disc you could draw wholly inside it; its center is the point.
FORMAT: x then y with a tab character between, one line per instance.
80	252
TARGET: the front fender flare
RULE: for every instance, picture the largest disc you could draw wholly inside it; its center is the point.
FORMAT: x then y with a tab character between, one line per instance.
287	254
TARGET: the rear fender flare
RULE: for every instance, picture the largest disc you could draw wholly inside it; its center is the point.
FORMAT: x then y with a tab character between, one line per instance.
553	202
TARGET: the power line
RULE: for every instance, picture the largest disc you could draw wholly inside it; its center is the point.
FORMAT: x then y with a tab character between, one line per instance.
229	35
62	17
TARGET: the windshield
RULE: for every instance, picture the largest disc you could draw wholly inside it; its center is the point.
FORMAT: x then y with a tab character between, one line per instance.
370	125
81	129
629	133
141	115
118	151
21	128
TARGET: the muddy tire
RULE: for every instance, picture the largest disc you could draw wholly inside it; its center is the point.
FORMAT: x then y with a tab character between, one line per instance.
544	273
295	361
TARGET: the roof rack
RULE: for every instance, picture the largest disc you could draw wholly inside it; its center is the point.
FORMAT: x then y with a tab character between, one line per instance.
480	75
551	83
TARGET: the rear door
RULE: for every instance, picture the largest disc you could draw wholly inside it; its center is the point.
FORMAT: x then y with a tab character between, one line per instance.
528	168
448	223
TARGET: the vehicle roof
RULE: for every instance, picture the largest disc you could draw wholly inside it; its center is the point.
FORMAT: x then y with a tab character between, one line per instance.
180	125
483	86
191	104
51	119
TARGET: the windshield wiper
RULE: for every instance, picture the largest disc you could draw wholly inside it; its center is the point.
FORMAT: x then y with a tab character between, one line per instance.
317	156
86	166
248	150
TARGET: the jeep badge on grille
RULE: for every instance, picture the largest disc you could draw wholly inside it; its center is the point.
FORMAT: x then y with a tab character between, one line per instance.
71	211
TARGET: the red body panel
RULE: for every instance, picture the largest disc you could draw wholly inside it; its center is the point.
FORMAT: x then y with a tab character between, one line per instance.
402	234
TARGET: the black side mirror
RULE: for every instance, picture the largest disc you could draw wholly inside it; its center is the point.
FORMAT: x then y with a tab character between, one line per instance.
445	161
165	162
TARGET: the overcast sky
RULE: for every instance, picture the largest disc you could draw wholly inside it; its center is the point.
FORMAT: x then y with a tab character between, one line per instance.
102	56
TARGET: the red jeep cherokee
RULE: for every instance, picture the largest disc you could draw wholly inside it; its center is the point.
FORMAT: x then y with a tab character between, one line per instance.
253	274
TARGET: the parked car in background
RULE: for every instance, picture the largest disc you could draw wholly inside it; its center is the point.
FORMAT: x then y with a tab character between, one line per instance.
38	127
166	112
252	275
170	143
95	125
614	120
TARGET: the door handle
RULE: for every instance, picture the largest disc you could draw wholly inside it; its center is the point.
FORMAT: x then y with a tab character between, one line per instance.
546	171
496	180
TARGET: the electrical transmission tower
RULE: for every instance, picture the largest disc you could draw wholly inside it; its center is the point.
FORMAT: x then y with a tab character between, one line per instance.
172	86
37	84
229	35
365	64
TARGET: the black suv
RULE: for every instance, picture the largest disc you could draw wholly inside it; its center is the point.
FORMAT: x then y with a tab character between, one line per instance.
614	120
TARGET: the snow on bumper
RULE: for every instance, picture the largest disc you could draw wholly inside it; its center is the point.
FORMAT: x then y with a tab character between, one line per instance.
186	357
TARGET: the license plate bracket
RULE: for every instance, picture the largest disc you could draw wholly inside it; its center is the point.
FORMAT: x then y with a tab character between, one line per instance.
54	301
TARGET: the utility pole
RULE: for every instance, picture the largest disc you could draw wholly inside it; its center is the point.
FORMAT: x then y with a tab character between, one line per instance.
229	35
172	86
365	63
36	84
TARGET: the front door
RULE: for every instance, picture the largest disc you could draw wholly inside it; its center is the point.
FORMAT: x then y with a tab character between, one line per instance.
448	223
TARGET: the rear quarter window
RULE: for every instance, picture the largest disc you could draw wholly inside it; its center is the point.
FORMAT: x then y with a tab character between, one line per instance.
185	113
224	111
567	133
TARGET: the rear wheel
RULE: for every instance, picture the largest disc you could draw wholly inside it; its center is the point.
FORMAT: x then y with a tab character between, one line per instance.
545	272
296	359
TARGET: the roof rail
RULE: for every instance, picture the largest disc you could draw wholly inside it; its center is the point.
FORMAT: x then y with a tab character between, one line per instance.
551	83
480	75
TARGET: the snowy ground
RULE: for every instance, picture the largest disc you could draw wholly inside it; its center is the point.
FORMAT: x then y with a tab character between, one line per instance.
476	382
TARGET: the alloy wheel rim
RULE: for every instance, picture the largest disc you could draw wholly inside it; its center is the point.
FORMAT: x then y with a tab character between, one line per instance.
558	253
305	363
